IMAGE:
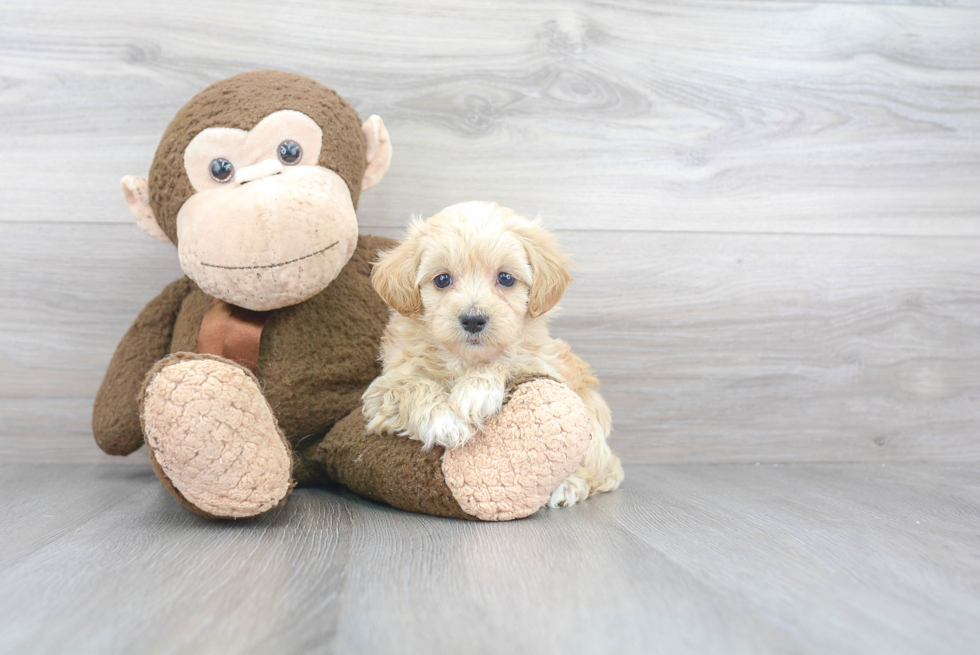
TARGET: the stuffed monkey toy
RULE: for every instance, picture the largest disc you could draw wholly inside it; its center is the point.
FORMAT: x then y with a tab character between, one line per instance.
245	377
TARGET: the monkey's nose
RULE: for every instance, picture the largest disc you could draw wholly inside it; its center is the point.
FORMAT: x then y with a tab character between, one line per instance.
473	323
262	169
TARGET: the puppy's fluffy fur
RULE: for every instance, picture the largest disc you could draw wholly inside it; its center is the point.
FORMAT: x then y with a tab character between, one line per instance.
440	382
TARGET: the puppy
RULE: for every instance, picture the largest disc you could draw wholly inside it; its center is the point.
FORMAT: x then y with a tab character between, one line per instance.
470	288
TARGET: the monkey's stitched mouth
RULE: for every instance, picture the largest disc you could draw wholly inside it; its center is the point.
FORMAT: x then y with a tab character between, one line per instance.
291	261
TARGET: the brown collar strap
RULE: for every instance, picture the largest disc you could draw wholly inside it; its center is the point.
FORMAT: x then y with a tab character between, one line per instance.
232	332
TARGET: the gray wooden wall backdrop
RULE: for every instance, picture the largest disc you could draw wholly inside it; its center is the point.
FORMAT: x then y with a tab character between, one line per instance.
775	206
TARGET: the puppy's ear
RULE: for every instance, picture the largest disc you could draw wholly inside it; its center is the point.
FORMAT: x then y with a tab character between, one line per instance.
549	267
394	276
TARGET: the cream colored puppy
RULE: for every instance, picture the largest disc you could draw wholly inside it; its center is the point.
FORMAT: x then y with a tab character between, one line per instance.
470	288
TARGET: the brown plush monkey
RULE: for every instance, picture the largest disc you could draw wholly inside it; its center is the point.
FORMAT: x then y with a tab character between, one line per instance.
244	378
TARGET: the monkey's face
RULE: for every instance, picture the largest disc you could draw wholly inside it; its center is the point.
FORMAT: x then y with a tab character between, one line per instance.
256	180
267	227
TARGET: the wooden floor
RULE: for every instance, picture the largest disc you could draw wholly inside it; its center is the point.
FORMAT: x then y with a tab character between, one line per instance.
810	558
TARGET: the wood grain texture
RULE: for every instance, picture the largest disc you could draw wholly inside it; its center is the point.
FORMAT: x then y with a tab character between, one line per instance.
711	347
697	116
684	559
774	204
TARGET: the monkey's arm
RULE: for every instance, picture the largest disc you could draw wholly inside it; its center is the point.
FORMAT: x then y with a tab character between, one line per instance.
116	421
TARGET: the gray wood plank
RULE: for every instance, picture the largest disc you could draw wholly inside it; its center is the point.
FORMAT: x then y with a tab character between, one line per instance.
711	348
705	116
146	575
841	545
557	583
42	505
834	558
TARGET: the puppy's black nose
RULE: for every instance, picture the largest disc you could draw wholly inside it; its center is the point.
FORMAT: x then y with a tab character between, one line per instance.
473	323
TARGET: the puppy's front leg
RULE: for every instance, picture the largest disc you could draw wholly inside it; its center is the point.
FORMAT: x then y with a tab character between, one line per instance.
479	394
404	403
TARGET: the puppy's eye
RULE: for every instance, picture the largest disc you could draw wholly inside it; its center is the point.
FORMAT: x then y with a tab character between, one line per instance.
506	280
442	281
221	170
290	152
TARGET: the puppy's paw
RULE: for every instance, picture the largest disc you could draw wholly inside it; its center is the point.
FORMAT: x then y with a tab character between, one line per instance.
445	429
382	424
571	491
477	403
380	417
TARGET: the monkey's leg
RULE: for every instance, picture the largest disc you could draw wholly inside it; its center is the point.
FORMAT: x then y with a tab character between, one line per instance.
506	471
212	437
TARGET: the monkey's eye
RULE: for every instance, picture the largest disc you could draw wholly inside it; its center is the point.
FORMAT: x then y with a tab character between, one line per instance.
442	281
222	170
290	152
506	279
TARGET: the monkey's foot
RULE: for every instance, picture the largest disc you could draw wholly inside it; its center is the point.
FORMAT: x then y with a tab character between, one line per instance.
212	437
511	467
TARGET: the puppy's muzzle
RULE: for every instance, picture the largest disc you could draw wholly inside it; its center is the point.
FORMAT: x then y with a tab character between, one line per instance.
473	323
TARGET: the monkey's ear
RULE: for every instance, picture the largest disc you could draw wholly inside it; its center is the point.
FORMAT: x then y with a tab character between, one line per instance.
136	193
394	278
549	268
378	151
